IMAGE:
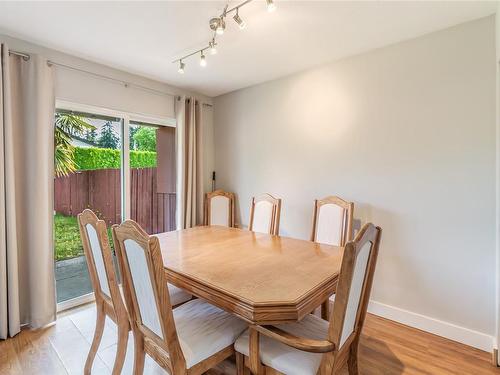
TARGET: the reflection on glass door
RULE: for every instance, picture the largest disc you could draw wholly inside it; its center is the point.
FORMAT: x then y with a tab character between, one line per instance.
88	163
152	176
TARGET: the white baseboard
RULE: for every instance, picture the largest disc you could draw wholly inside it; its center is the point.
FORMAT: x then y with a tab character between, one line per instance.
450	331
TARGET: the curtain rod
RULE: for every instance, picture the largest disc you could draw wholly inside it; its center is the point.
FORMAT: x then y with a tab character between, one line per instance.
23	55
101	76
26	57
178	97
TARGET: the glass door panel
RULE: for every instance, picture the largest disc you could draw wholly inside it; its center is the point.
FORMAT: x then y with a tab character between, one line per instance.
88	162
152	176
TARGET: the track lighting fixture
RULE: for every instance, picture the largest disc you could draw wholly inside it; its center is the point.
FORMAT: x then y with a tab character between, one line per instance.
203	60
239	21
212	45
271	6
181	67
218	25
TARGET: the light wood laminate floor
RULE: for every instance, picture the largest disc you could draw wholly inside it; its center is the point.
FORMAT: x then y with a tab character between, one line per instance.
386	348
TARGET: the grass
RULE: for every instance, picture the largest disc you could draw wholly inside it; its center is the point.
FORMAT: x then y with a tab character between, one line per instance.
67	242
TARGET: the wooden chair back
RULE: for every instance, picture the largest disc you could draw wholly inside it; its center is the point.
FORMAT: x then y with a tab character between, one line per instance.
265	214
146	295
219	208
99	258
332	221
352	296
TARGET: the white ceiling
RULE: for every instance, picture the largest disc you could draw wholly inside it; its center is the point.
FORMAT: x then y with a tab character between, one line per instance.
144	37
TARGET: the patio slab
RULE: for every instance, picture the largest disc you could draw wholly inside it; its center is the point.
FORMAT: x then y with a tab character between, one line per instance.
72	278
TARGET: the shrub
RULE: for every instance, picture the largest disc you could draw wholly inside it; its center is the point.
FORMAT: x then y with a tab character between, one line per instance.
89	158
142	159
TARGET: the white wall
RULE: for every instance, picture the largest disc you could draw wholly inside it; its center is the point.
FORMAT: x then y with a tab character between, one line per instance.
82	88
407	132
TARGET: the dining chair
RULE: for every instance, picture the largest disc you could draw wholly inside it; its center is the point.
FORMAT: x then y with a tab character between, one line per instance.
313	345
332	221
219	208
332	225
107	292
104	281
190	339
265	214
178	296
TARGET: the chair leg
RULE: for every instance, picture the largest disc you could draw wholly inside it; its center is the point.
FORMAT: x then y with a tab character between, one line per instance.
99	329
138	354
121	350
325	310
352	361
240	364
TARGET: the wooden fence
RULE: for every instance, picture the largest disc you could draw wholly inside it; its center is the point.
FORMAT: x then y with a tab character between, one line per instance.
100	190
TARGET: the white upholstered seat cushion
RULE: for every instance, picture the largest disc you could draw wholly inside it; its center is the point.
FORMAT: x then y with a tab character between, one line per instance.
178	295
204	330
285	359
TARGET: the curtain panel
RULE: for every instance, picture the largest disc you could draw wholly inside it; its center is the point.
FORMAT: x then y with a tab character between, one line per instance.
27	283
190	163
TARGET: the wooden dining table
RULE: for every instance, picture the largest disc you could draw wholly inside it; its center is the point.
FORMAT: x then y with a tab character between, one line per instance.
261	278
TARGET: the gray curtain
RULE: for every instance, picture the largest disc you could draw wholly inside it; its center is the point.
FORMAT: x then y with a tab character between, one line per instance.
189	143
27	286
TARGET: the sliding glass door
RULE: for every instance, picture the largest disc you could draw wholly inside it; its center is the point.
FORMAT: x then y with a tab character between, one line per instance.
109	165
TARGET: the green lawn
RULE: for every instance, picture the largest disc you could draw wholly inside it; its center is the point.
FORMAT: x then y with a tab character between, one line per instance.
67	243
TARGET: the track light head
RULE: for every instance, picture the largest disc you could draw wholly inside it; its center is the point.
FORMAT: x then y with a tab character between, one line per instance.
239	21
220	30
181	67
271	6
212	45
203	60
218	25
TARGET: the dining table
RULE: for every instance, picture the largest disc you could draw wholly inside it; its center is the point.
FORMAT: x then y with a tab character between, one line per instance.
263	279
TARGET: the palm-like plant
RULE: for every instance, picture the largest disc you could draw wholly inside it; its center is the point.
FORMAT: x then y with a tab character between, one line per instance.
67	125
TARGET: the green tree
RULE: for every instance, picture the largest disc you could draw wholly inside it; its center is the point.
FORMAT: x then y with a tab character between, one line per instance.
132	130
108	138
91	135
66	125
145	138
